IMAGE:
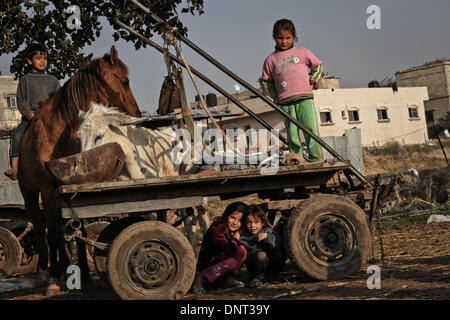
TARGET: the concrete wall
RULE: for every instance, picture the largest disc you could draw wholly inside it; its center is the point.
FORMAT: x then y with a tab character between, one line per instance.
9	190
440	107
436	77
398	127
9	117
348	147
329	83
433	77
367	101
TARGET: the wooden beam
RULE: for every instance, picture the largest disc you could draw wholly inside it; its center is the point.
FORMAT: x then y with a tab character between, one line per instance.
100	210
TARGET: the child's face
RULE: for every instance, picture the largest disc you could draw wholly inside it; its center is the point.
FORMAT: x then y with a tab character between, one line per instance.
284	39
234	221
38	62
253	224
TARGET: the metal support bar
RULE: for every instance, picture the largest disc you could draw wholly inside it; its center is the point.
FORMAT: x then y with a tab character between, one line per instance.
202	77
360	176
374	204
99	245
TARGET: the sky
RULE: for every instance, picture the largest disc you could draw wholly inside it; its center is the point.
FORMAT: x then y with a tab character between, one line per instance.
238	33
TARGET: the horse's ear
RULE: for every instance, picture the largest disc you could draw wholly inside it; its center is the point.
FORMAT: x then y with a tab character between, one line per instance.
125	120
114	56
81	115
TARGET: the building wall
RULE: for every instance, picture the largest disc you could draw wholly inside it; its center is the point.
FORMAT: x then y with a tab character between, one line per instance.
367	101
436	77
440	107
9	117
329	83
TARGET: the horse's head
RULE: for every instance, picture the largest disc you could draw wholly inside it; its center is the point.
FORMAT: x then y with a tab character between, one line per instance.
118	94
97	125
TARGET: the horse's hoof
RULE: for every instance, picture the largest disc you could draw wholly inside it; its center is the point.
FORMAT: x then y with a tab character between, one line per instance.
53	288
42	276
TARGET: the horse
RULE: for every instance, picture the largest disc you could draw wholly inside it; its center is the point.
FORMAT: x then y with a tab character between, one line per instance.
52	134
148	152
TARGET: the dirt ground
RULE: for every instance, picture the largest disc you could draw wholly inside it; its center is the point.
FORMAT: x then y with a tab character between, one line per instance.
416	265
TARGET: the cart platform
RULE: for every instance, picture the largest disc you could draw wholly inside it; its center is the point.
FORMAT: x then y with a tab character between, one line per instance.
116	197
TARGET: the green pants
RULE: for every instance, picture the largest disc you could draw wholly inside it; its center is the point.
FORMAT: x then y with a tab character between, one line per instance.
305	113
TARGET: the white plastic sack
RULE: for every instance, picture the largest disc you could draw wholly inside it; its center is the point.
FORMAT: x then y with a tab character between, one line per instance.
438	218
13	284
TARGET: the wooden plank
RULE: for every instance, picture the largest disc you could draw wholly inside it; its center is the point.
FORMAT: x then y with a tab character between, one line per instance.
283	204
199	188
206	177
92	211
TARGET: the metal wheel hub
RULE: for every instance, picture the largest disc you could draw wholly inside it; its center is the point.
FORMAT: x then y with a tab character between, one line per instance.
329	237
152	264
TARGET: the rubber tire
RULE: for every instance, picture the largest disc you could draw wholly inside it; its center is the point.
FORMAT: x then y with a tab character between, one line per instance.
304	215
107	236
12	253
138	233
93	231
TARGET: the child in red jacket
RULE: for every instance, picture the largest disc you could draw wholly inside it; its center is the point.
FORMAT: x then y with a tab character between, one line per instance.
222	254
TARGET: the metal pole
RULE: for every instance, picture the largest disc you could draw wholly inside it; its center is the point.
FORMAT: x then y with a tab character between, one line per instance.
202	77
252	89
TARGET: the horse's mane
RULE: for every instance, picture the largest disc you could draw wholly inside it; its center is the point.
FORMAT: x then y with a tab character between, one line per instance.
77	92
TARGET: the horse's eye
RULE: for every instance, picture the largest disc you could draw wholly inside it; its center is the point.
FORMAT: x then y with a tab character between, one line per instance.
126	84
97	139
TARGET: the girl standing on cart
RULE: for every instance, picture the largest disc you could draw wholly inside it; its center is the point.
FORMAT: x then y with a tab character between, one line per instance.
287	78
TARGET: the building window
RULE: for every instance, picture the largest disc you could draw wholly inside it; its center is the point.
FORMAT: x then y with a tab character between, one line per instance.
413	113
11	101
353	115
325	117
382	114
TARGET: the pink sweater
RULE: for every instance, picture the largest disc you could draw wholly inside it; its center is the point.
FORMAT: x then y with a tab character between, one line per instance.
289	70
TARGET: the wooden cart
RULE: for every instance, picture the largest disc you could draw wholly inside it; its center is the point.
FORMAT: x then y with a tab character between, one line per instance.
322	218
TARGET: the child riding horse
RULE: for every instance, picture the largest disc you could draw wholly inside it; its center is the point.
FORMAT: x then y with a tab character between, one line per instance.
52	135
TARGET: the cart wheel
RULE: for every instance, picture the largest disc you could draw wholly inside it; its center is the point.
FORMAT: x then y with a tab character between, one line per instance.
30	256
328	237
151	260
107	236
10	253
93	231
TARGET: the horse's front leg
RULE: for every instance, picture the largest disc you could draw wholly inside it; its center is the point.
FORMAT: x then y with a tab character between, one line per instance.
31	200
55	242
82	258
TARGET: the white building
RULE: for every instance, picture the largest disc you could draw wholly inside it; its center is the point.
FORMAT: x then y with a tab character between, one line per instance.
382	114
9	113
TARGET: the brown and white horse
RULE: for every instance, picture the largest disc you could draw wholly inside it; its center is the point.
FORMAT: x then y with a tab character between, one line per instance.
53	134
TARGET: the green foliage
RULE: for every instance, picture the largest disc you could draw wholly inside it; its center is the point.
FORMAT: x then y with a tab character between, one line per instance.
23	22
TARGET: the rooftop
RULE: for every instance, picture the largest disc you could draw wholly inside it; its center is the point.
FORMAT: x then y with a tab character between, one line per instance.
427	65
